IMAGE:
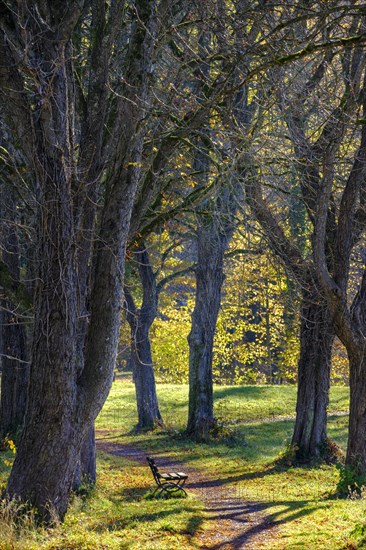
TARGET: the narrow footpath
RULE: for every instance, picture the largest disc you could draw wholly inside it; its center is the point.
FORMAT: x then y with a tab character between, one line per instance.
233	523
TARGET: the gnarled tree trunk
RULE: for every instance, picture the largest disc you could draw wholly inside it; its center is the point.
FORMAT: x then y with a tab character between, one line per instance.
64	402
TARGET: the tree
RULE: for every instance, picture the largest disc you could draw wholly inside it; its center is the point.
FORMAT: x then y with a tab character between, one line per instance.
60	118
349	320
214	229
215	226
140	321
329	129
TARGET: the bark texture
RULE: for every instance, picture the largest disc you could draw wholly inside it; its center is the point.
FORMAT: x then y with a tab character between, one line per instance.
69	160
86	471
140	322
316	339
15	368
214	231
356	448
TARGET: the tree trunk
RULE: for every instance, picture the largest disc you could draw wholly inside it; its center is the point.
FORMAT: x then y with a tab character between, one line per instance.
356	449
316	340
316	335
212	240
140	322
15	369
86	469
46	457
15	375
147	402
63	402
88	457
214	229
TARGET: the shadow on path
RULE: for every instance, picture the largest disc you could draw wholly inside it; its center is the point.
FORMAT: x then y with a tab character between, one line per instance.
233	522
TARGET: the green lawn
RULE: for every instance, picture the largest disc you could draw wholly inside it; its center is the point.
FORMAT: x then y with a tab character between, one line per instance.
259	421
233	404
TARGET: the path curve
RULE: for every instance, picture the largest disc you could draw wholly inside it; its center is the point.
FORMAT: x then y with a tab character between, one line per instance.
233	522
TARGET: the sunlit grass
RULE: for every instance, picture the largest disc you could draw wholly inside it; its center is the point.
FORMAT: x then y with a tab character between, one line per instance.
300	501
114	516
233	404
259	422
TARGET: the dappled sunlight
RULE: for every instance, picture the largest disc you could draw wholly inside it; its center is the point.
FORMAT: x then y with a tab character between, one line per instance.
182	275
247	522
238	478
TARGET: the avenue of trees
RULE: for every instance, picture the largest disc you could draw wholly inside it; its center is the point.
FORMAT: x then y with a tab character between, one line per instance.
147	149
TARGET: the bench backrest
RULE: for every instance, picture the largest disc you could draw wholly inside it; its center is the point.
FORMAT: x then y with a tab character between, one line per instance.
154	468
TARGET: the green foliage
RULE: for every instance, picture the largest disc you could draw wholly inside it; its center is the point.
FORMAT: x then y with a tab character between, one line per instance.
359	533
169	342
257	333
8	450
352	482
252	343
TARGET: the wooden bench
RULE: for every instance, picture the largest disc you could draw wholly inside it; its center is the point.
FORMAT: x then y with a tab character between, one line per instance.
167	483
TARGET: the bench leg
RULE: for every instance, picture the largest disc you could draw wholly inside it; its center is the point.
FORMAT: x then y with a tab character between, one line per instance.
169	489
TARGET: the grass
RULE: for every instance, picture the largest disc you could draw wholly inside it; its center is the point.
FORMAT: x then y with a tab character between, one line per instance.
300	501
233	404
114	516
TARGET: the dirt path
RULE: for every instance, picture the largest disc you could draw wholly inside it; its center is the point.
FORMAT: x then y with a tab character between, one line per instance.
233	522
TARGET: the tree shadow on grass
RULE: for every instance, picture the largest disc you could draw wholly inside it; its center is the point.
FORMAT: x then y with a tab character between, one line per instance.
240	392
222	481
250	520
192	526
129	494
249	442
